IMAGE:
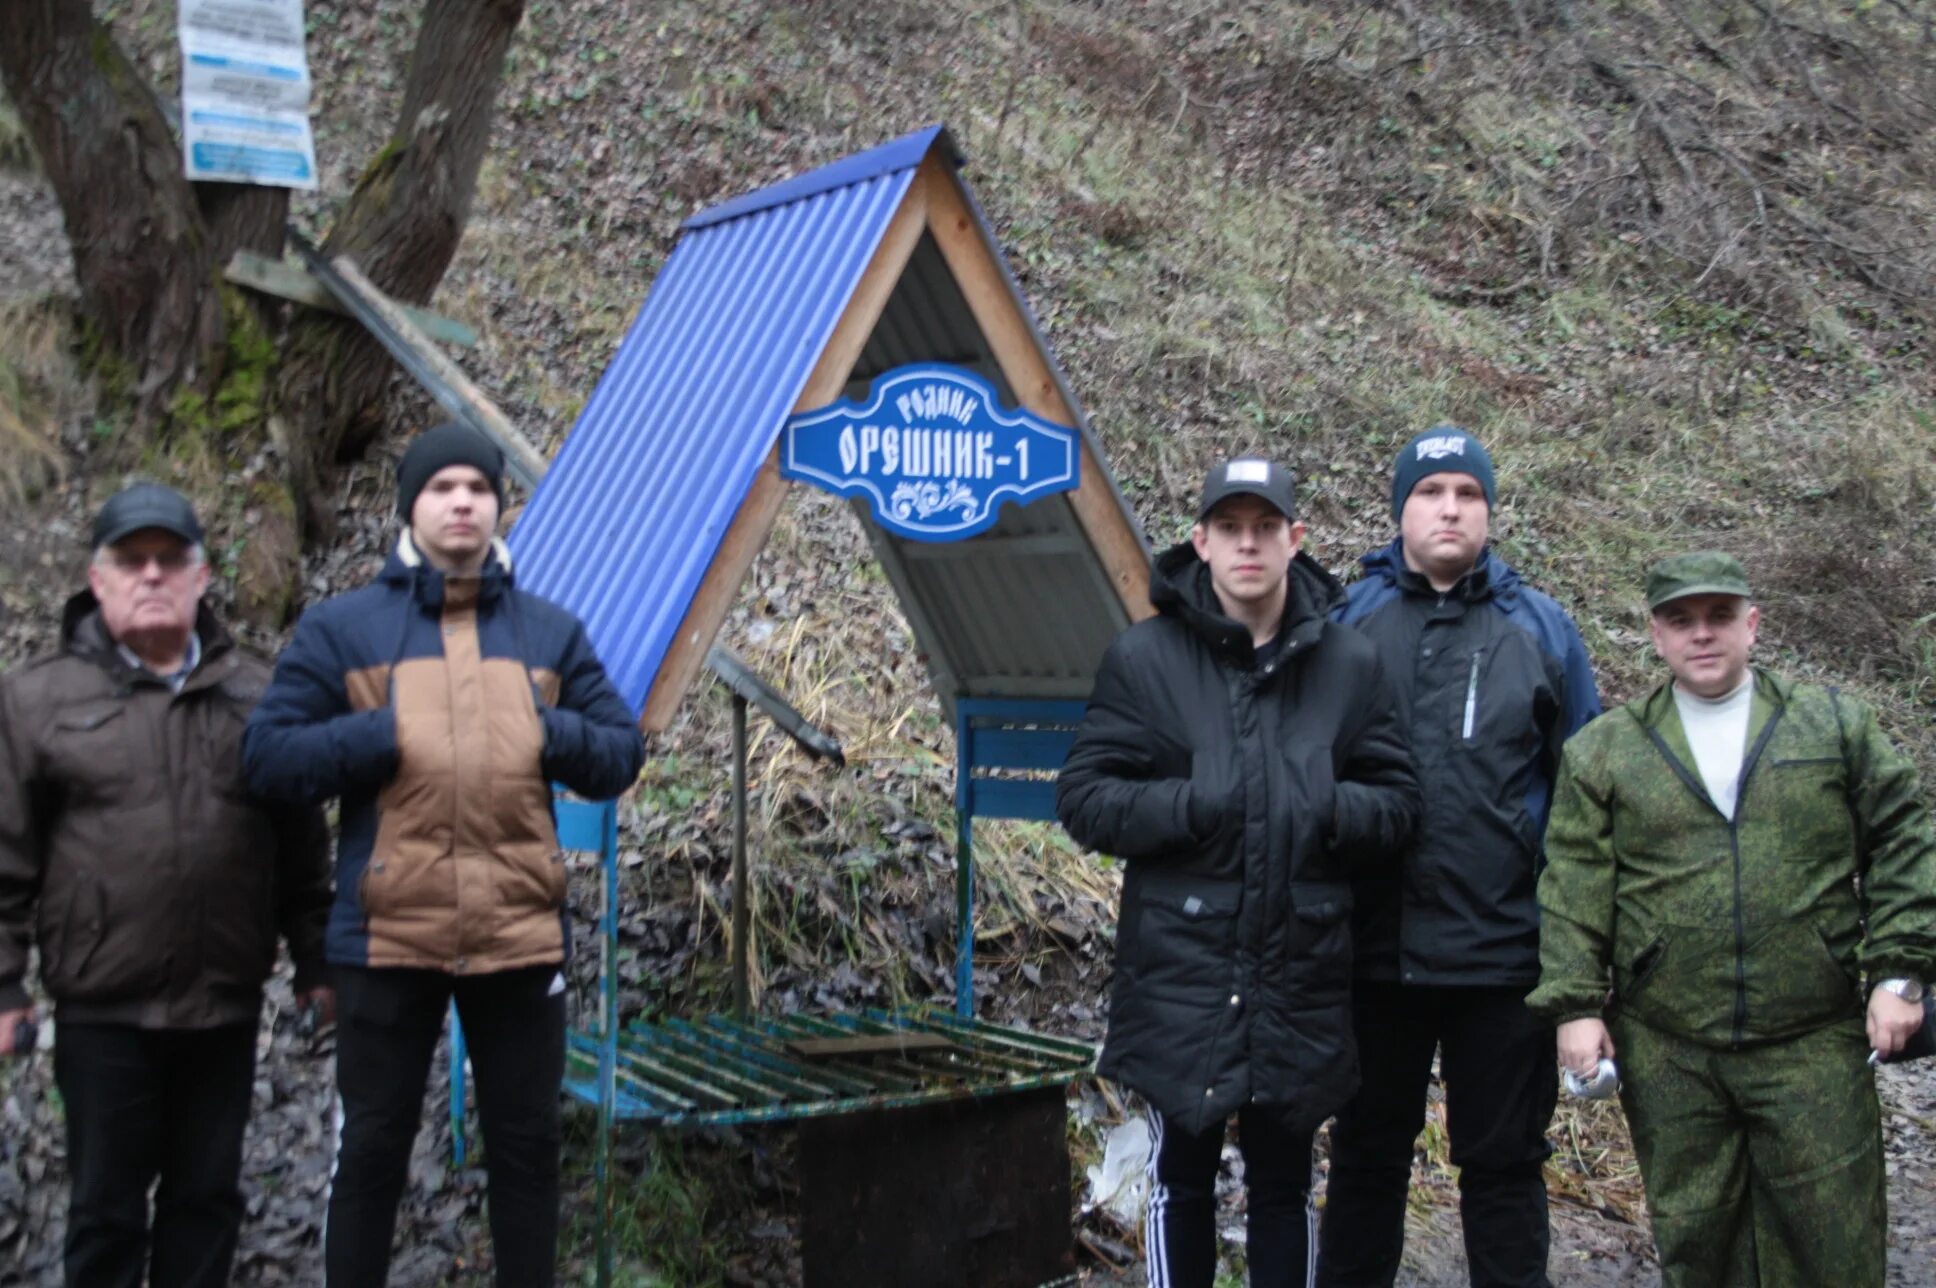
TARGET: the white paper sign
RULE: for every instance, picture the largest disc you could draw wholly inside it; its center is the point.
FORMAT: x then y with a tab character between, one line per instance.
245	93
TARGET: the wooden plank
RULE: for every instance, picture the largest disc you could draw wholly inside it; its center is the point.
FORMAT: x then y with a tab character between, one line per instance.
1020	748
524	458
1013	342
995	546
748	532
867	1044
292	282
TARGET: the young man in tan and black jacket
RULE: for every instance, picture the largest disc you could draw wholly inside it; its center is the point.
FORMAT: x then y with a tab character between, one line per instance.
440	703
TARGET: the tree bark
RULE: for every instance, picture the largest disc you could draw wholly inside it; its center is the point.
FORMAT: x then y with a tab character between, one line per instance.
403	222
140	245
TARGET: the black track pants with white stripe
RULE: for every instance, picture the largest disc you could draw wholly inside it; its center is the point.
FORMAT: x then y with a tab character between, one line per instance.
1180	1234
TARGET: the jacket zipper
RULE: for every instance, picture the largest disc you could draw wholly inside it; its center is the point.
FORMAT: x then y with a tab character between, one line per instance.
1734	847
1472	694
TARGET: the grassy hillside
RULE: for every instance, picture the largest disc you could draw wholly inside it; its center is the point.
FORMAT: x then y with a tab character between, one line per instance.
1672	261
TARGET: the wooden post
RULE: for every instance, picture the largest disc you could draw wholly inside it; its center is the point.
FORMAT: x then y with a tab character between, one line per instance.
522	457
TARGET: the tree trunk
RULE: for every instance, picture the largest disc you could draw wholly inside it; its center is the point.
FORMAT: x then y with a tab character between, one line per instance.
402	225
245	216
141	248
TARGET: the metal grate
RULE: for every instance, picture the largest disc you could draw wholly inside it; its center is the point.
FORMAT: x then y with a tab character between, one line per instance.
722	1071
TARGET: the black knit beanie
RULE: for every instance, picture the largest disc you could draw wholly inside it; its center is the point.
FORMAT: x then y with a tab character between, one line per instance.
1442	449
448	444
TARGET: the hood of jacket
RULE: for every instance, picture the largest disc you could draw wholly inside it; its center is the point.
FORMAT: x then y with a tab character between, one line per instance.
1490	577
1180	587
407	569
84	635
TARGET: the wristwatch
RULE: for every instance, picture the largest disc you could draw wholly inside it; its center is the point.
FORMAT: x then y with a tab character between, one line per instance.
1909	990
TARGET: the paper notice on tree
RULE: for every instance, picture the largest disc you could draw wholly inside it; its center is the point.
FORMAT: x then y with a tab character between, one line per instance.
245	93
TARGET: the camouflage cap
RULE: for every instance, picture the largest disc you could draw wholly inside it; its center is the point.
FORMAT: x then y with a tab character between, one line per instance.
1703	572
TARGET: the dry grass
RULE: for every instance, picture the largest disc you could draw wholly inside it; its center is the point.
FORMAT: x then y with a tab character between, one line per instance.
40	389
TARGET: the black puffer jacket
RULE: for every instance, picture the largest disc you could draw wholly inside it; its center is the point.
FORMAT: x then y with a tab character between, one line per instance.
1239	796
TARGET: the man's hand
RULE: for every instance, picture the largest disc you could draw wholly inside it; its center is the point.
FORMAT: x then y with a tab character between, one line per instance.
1584	1043
1892	1021
11	1024
316	1008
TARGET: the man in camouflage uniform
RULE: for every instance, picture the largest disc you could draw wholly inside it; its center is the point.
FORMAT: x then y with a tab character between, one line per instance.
1715	851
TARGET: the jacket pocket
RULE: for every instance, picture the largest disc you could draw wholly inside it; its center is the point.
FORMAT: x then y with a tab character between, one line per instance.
1794	982
1629	982
89	747
1320	946
1185	936
238	929
75	966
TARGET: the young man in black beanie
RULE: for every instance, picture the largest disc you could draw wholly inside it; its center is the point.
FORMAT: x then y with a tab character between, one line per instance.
1492	678
1239	753
439	704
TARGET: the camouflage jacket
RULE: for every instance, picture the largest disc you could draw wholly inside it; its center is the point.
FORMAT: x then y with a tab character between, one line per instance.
1750	930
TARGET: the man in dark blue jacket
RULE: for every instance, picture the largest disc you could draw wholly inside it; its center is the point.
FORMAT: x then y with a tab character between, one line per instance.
440	703
1239	752
1492	678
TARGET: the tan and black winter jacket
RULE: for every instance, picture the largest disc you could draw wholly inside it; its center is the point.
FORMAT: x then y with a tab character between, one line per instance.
441	709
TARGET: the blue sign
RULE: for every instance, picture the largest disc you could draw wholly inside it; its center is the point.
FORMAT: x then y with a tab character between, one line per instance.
933	451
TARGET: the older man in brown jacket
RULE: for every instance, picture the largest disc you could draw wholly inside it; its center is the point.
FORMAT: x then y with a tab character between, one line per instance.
133	855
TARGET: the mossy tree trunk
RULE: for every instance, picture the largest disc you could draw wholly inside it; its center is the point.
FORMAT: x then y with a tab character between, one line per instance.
141	246
403	222
149	248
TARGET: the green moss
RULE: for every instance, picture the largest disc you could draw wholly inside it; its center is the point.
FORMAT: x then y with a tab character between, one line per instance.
240	402
373	184
209	437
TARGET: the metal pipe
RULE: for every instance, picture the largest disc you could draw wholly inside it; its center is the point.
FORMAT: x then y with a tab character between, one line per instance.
742	887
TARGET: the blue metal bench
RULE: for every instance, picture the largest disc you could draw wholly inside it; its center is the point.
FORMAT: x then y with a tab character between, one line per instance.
742	1069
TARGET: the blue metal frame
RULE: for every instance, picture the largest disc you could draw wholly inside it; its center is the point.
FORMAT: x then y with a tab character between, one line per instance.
991	735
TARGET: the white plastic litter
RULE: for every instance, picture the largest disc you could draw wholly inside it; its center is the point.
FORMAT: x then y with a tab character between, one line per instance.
1120	1183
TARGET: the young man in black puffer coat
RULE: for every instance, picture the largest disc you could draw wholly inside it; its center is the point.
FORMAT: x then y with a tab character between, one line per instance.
1240	752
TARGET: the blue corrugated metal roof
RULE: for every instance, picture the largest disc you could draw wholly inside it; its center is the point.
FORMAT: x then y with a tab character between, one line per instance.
903	153
629	516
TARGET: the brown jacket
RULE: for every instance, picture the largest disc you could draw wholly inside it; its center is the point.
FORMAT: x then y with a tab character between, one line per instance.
130	848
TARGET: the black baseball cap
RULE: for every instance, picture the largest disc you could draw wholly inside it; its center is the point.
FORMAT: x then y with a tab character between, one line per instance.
1249	476
146	505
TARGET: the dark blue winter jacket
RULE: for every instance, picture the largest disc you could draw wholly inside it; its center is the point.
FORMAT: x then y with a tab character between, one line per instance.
1492	678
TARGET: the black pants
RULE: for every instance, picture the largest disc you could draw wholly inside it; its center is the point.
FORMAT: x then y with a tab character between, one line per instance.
160	1107
388	1022
1501	1075
1180	1235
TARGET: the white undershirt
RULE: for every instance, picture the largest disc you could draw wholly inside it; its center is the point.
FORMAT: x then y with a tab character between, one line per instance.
1717	731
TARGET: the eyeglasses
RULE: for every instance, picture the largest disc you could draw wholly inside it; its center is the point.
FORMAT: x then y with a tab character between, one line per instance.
133	563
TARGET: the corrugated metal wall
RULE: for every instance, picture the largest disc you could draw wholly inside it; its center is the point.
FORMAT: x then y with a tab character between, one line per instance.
629	516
